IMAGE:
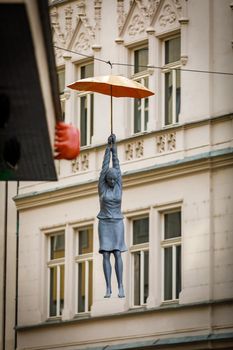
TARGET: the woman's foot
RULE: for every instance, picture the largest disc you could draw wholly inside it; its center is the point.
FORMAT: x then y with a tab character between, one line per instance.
121	293
108	293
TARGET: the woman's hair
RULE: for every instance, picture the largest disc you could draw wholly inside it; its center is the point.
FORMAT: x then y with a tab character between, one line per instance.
112	172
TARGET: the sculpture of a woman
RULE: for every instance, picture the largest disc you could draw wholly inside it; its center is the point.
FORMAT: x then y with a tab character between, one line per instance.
111	226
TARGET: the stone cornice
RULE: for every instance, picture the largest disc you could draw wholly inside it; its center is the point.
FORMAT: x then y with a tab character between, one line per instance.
132	312
187	166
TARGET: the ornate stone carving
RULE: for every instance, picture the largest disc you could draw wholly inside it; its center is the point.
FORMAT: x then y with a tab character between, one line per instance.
177	4
152	7
134	150
161	141
139	149
168	16
68	22
137	26
83	43
171	141
81	163
120	14
166	142
97	7
129	151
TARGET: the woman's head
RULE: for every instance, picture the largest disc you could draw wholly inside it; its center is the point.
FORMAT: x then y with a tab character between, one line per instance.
111	177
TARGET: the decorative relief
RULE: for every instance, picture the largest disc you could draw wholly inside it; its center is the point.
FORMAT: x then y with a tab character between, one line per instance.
139	149
81	163
137	26
83	42
134	150
68	22
129	151
168	16
152	7
121	16
177	4
166	142
97	7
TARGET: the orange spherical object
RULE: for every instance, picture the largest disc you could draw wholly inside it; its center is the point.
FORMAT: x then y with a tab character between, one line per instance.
67	141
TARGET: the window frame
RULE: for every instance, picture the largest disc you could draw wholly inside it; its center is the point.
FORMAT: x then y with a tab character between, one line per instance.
62	93
170	243
174	69
142	248
55	263
85	258
140	77
89	132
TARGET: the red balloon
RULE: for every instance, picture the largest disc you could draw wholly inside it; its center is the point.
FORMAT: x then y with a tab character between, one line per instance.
67	141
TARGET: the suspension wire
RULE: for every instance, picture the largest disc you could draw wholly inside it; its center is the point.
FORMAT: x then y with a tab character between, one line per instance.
143	66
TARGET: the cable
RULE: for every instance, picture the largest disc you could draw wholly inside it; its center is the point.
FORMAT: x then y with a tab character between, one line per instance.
148	66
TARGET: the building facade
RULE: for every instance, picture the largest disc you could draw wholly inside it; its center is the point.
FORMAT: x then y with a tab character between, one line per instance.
176	155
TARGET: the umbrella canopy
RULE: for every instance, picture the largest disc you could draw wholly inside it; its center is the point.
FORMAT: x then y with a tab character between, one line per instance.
112	85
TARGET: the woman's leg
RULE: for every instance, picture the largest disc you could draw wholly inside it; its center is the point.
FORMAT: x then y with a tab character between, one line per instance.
107	273
119	272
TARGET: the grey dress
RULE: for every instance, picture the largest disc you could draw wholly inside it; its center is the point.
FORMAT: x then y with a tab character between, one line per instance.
111	226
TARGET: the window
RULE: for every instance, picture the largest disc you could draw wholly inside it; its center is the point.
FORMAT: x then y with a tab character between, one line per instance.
84	269
172	80
56	275
86	107
140	260
141	106
61	82
171	252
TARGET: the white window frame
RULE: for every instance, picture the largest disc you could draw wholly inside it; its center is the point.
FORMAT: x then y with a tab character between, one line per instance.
90	110
173	243
142	248
172	68
51	263
86	258
62	95
140	78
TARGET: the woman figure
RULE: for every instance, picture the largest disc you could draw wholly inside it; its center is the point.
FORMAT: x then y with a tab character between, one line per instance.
111	227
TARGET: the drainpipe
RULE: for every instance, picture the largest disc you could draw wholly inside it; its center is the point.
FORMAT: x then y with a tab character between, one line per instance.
5	268
17	270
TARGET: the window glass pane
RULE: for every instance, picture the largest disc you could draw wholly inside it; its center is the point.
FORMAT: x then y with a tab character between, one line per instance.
62	287
90	285
81	287
92	115
168	273
61	80
168	98
85	241
172	50
83	116
137	115
178	271
137	262
87	71
63	104
140	59
57	249
141	230
146	276
53	292
177	94
146	113
172	225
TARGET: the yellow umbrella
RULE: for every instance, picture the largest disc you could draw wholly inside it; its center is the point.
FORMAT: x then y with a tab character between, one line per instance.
112	85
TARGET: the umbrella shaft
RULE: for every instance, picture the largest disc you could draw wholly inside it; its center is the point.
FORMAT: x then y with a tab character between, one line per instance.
111	112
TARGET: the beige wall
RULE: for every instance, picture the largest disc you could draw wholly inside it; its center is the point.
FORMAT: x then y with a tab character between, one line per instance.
188	165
